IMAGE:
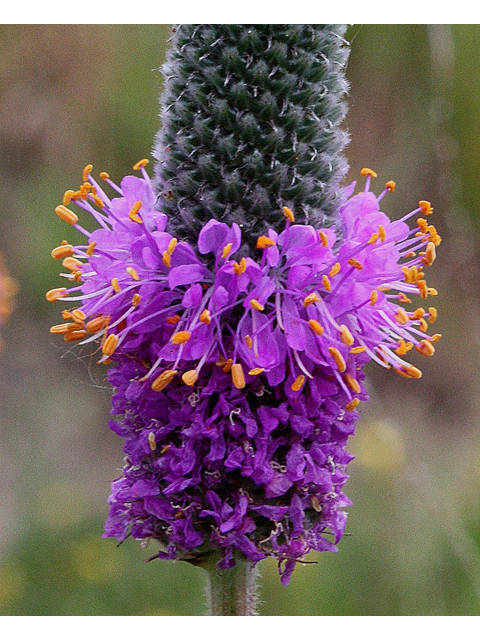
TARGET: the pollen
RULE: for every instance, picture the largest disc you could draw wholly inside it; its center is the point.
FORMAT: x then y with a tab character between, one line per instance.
310	299
256	305
298	383
133	213
403	347
163	379
132	272
205	317
373	238
390	186
249	341
352	383
173	319
355	264
433	314
326	283
152	442
181	337
288	213
436	337
115	285
110	344
335	269
351	406
62	251
316	327
264	241
227	365
67	215
226	250
97	324
422	288
240	268
339	360
408	372
368	172
166	259
104	175
238	377
73	336
60	329
426	207
55	294
98	201
256	372
190	377
171	246
323	237
86	171
141	163
425	347
417	314
373	297
381	233
78	316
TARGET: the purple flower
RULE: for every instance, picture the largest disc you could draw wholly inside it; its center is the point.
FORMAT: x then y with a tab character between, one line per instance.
237	377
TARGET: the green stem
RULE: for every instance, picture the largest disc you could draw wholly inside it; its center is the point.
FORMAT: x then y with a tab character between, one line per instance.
232	592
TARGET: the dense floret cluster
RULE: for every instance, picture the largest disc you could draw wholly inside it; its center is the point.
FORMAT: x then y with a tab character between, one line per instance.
237	377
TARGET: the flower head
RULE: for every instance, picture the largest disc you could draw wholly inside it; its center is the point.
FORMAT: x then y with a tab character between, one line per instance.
238	376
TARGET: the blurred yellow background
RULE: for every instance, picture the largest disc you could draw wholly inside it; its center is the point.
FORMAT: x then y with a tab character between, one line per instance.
75	94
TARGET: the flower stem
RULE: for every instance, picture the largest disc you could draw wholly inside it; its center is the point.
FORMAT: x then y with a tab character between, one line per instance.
232	592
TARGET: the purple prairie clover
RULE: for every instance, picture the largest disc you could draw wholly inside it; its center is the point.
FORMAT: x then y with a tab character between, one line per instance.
237	377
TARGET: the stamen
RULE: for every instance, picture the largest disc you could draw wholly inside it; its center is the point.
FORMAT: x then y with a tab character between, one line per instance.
238	377
205	317
240	268
152	443
352	405
346	336
166	259
355	264
316	327
426	207
67	215
433	314
73	336
55	294
264	241
104	175
326	283
67	197
115	285
381	233
87	169
408	372
91	248
132	272
62	251
288	213
430	254
401	316
97	324
171	246
310	299
136	298
298	383
352	383
133	213
368	172
181	337
357	349
163	380
249	341
78	316
373	297
72	264
256	372
190	377
60	329
339	360
323	238
425	347
173	319
256	305
109	345
141	163
335	269
226	250
390	185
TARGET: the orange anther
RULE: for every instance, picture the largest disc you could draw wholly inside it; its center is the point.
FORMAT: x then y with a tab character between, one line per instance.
173	319
257	371
425	347
86	170
401	316
390	185
264	241
97	324
316	327
288	213
62	251
373	297
66	214
426	207
433	314
55	294
190	377
104	175
240	268
141	163
72	336
351	406
352	383
298	383
166	259
335	269
323	237
205	317
67	197
339	360
326	283
171	246
91	248
132	272
181	337
249	341
346	336
255	304
152	442
238	377
357	349
133	213
110	344
355	264
115	285
163	380
368	172
310	299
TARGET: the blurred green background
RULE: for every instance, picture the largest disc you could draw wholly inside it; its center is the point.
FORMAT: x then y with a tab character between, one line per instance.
70	95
